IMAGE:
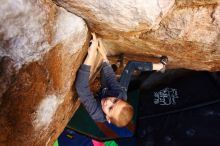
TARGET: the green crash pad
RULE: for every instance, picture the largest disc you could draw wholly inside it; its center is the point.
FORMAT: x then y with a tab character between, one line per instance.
111	143
56	143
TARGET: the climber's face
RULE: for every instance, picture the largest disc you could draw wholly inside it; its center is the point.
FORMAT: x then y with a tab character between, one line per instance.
112	105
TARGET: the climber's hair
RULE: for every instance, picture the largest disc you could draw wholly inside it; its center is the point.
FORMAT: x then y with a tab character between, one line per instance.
124	117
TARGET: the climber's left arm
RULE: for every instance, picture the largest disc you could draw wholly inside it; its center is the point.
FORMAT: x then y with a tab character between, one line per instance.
82	84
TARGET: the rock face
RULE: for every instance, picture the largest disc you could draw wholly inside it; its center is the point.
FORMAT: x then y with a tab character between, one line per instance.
186	31
41	48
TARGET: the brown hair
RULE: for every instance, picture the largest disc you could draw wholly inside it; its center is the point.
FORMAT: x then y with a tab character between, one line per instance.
124	116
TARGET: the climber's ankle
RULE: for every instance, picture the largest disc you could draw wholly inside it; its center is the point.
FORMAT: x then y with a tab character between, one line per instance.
161	67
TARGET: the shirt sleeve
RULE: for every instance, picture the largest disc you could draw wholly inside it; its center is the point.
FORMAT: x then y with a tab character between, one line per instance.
114	87
110	77
86	96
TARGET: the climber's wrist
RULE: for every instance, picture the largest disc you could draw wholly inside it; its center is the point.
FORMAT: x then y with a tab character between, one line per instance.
105	60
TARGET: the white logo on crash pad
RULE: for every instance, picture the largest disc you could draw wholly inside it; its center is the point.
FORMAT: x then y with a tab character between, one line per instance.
166	96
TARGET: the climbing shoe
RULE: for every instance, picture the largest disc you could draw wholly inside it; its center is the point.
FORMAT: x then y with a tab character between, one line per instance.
164	61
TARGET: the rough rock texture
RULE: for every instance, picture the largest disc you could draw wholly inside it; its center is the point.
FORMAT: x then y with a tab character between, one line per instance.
187	31
41	48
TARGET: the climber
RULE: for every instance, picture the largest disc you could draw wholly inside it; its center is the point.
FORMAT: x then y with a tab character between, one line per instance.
112	106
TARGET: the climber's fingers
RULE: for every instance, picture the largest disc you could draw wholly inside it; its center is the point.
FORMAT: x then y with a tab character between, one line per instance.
94	36
94	42
101	49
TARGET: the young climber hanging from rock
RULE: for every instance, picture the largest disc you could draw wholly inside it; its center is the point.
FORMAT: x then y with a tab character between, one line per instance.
112	106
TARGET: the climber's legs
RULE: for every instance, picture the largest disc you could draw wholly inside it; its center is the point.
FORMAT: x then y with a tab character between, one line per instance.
130	67
142	66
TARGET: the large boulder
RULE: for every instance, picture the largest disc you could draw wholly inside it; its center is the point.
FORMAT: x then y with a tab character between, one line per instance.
186	31
41	48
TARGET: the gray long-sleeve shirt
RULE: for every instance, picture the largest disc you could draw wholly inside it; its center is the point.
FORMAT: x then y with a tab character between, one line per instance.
86	96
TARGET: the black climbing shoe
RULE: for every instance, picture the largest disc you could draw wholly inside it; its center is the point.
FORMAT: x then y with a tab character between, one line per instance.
164	61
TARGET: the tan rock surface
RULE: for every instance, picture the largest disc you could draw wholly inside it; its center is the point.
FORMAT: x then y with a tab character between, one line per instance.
186	31
41	48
